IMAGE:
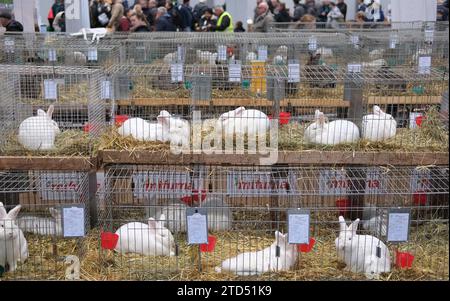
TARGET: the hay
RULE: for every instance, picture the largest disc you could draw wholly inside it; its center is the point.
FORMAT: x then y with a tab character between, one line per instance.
68	143
75	94
428	242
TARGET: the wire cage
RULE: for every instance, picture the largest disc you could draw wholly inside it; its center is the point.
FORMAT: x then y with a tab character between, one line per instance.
48	230
246	205
51	110
57	50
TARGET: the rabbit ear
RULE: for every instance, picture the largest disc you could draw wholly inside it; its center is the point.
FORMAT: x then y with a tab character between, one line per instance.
317	114
162	221
41	113
152	224
55	212
342	224
50	110
321	120
239	111
377	110
12	214
164	118
354	226
3	213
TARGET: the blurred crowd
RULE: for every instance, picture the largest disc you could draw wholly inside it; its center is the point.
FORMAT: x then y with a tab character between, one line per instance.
172	15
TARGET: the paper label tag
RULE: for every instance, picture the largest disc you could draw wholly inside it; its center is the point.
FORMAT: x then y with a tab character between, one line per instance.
92	54
429	35
354	68
197	228
293	72
393	41
312	44
354	39
262	53
180	53
398	226
106	89
235	72
222	53
176	72
9	45
425	65
52	57
333	182
50	89
298	227
73	221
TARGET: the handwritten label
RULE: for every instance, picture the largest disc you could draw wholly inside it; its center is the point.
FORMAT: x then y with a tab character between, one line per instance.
375	181
425	65
333	182
60	186
354	68
312	43
92	54
253	184
197	229
235	72
106	89
293	71
50	89
298	224
222	53
420	180
262	53
398	226
73	221
52	57
176	72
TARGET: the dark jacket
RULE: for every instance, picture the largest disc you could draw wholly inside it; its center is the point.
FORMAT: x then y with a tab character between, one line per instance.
164	23
142	28
225	23
239	29
323	13
282	16
299	11
14	26
187	17
199	10
343	8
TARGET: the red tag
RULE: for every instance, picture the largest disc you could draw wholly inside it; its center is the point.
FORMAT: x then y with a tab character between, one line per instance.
87	127
419	120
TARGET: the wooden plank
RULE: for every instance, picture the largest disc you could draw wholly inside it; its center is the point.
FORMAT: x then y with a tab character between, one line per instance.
410	100
48	163
288	157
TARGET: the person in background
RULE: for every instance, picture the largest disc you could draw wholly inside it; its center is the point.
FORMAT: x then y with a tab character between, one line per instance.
282	14
187	16
273	4
239	27
361	6
117	12
174	14
324	11
199	10
59	23
264	18
299	11
311	8
164	20
342	7
100	13
374	12
306	22
125	23
334	16
144	4
360	17
56	8
224	20
139	22
256	10
442	11
7	21
207	19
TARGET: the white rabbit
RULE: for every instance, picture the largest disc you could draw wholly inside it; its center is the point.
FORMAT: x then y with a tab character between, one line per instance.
177	129
219	214
42	225
76	58
331	133
152	239
376	53
378	126
13	245
143	130
254	263
206	57
359	252
39	132
278	60
251	56
325	52
170	57
242	121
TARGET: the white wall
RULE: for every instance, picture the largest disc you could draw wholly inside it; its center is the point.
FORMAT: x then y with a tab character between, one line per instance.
80	17
24	13
43	7
413	10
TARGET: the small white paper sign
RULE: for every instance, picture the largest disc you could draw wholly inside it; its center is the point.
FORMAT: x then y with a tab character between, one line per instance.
393	41
429	35
354	39
92	54
262	53
52	57
176	72
73	221
398	227
354	68
50	89
106	89
234	72
293	73
9	43
197	229
180	53
222	53
312	44
298	228
425	65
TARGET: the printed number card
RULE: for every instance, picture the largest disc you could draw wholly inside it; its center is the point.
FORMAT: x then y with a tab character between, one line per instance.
425	65
50	89
354	68
52	55
312	43
92	54
73	221
262	53
235	71
222	53
176	72
393	41
106	89
298	226
398	225
197	226
293	71
354	40
429	35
